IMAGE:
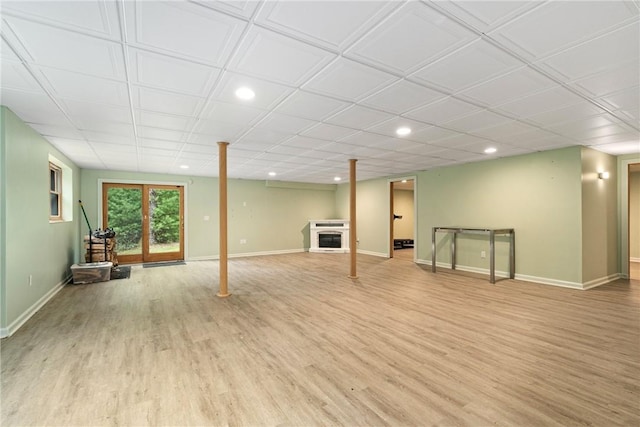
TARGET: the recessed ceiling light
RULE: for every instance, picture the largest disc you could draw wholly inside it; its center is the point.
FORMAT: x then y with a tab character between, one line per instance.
272	174
245	93
184	166
337	178
490	150
402	131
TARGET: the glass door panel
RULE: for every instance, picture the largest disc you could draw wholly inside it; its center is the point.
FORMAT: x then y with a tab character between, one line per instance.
164	207
122	211
148	221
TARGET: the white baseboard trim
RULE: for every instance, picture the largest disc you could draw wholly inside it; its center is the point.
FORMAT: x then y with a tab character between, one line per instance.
601	281
633	259
378	254
504	274
22	319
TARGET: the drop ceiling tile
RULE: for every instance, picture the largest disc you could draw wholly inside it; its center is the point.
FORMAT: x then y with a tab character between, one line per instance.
476	121
443	111
610	81
87	115
358	117
82	87
167	73
284	123
561	28
165	102
310	106
468	66
268	95
240	8
33	107
184	30
96	17
68	50
117	152
328	132
390	126
159	134
487	15
366	139
540	102
164	121
305	142
504	132
334	25
71	146
461	141
14	75
172	146
616	149
423	149
598	55
57	131
110	138
402	96
430	134
564	114
410	39
277	58
345	151
210	150
212	131
508	87
288	150
233	113
348	80
628	99
6	52
265	137
110	128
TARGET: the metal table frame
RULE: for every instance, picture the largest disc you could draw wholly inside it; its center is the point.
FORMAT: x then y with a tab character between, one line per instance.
491	232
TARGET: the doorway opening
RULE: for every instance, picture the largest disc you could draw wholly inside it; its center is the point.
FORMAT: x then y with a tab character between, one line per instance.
633	179
148	220
402	224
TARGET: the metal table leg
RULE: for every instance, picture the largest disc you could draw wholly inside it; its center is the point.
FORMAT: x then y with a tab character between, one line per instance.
492	257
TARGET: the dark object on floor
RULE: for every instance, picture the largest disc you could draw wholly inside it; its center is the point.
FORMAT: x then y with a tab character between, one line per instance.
163	264
122	272
402	243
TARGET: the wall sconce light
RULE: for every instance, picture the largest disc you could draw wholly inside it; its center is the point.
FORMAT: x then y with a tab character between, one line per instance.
603	175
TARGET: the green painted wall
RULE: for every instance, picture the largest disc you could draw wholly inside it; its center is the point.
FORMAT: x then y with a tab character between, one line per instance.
30	244
537	194
599	216
372	214
270	216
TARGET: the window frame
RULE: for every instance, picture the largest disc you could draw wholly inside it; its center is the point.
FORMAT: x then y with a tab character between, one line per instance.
57	170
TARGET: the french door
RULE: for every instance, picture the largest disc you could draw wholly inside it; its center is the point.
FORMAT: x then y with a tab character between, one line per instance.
148	220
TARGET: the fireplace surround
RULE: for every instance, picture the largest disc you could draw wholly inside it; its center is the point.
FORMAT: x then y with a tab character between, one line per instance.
329	235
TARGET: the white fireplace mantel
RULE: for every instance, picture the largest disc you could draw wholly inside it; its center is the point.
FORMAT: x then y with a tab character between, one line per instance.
321	229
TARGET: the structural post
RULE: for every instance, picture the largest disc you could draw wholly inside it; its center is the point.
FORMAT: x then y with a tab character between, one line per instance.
222	182
353	229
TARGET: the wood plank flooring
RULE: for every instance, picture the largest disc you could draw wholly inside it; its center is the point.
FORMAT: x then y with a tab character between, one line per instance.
300	344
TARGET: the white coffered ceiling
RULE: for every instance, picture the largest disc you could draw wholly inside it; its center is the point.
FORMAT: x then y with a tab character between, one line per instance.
149	86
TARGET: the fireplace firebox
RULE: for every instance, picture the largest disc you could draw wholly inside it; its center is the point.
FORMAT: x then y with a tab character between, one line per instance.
329	235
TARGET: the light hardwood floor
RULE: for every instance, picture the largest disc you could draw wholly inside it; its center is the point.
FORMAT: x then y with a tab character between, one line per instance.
300	344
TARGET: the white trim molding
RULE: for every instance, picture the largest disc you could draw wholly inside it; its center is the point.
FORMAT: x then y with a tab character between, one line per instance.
27	314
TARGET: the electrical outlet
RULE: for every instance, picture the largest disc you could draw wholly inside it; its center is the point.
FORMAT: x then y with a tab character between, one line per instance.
243	241
30	279
483	254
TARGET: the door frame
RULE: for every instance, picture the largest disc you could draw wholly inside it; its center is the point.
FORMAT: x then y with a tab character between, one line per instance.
185	193
390	186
